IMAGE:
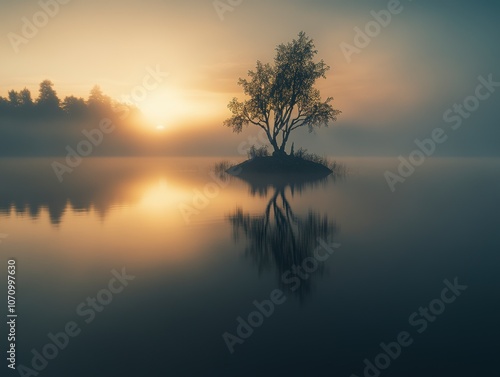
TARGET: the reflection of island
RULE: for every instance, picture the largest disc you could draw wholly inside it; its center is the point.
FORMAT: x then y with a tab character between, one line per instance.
279	238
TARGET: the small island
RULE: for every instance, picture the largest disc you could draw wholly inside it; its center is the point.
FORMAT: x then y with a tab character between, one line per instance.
284	169
282	98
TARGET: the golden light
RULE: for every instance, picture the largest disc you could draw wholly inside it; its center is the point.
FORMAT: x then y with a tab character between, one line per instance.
168	108
165	107
162	196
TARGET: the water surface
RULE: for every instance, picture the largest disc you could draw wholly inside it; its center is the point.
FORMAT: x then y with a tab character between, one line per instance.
200	262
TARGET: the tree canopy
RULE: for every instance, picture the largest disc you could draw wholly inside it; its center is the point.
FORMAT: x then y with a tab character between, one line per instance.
48	104
47	98
282	96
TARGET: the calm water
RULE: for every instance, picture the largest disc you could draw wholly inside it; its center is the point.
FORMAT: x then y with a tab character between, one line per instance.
200	265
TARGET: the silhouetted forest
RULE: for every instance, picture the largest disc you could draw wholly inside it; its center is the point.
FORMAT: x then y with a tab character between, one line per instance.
21	104
47	125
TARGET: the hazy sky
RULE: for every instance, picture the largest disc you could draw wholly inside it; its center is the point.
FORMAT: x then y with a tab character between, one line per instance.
394	90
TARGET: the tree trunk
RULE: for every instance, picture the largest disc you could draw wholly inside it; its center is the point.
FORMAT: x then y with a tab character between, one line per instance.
274	143
275	146
283	143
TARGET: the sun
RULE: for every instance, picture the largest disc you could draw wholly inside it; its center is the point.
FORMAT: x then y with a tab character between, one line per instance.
164	107
168	108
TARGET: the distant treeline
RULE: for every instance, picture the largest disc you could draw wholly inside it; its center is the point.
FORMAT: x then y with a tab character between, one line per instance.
48	126
48	104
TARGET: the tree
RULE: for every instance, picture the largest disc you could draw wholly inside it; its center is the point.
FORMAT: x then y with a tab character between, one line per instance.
47	98
14	98
282	96
25	98
4	105
74	106
99	102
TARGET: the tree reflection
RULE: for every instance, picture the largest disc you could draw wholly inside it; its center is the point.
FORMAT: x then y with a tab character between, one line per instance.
281	239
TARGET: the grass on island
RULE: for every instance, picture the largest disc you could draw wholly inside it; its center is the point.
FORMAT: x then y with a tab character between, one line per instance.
261	161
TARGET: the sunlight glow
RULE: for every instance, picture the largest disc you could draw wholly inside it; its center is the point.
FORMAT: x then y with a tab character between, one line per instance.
162	197
170	107
164	106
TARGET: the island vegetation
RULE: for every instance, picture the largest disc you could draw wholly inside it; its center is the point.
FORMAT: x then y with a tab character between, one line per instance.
280	99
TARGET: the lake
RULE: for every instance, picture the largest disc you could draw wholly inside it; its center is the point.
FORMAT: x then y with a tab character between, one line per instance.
161	267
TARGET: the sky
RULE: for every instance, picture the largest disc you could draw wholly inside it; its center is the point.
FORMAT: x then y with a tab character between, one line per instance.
392	91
